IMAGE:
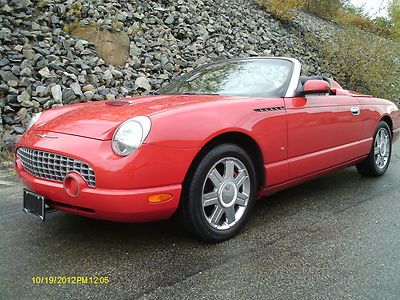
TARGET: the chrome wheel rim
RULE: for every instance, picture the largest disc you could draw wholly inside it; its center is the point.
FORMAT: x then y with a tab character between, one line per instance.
382	148
225	193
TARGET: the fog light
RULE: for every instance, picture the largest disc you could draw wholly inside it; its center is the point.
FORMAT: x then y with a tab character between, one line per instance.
159	198
73	183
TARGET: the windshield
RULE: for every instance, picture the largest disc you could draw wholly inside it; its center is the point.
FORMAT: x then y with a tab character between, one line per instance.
253	77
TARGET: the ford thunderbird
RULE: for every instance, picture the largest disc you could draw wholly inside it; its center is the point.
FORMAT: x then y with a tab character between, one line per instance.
204	148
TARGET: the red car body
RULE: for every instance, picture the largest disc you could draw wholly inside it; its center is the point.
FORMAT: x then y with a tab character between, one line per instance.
295	139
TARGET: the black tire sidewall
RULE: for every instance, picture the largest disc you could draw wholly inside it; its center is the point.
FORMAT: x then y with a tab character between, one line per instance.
201	225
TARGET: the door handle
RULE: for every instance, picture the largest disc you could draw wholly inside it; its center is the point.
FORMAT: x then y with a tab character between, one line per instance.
355	111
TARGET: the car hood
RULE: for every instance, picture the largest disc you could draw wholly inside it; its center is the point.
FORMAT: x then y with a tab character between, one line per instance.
98	120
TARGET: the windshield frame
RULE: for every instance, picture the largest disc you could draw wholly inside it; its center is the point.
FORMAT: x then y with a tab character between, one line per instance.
288	89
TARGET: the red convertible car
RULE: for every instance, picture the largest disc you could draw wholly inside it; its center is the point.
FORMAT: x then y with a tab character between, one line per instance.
203	149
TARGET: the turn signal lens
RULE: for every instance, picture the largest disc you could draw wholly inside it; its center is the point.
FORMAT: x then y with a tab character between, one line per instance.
159	198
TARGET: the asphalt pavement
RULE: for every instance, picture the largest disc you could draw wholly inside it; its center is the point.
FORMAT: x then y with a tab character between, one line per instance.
334	237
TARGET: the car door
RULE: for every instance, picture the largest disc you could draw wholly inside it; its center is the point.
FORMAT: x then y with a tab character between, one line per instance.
323	131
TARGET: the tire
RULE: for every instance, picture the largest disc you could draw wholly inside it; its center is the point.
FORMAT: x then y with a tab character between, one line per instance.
378	159
229	196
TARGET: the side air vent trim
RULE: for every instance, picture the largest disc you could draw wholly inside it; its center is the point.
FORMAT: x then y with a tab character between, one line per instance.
269	109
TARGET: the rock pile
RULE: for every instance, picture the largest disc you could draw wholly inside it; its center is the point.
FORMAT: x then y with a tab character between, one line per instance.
43	66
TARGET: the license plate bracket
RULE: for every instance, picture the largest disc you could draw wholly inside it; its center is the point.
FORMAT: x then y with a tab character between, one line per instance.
34	204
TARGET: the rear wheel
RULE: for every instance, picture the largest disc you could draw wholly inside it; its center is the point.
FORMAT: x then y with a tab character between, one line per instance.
378	159
220	194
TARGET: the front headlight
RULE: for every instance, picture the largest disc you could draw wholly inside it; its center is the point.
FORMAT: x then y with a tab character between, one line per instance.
32	120
130	135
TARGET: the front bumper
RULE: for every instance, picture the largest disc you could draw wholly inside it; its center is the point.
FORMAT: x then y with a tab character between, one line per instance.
123	184
106	204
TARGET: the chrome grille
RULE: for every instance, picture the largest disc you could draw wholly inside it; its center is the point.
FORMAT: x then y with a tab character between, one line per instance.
53	166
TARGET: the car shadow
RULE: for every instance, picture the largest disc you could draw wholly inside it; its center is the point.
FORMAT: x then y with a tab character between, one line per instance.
323	195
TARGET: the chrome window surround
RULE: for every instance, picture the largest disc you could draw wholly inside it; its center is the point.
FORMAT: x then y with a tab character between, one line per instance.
53	166
294	81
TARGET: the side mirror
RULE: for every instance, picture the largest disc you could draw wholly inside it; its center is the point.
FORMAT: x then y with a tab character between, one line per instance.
316	87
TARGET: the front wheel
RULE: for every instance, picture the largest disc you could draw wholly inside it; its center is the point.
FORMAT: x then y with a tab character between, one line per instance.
220	194
378	159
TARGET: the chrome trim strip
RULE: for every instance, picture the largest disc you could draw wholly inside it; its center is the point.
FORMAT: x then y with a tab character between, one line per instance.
294	82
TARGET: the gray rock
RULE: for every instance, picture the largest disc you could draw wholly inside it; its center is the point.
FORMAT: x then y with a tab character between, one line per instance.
103	90
27	103
76	88
41	50
23	97
143	83
68	95
88	95
4	62
18	129
8	76
24	3
42	91
56	92
169	20
4	88
45	72
117	74
26	72
7	8
12	83
107	75
18	48
35	26
28	53
79	45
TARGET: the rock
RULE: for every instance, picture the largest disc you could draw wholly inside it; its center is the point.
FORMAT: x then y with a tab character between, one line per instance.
22	113
79	45
18	48
45	72
8	76
4	88
117	74
169	20
56	92
23	97
18	129
76	88
35	26
7	8
12	83
42	51
26	72
42	91
88	95
103	90
107	75
143	83
68	95
26	103
4	62
16	70
24	3
28	53
88	87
